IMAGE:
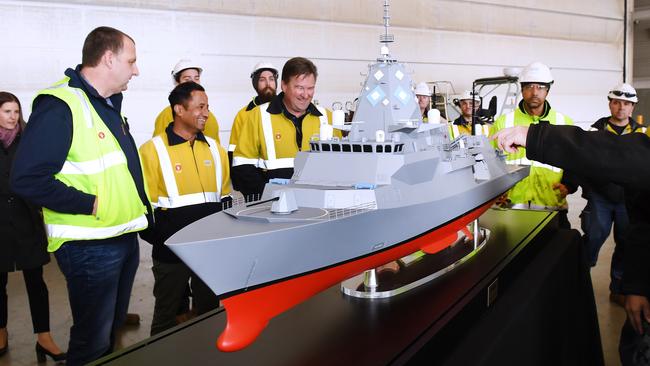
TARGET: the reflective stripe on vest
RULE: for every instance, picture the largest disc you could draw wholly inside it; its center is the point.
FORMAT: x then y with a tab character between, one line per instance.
94	166
455	131
174	199
510	119
272	162
231	148
323	117
481	130
238	160
72	232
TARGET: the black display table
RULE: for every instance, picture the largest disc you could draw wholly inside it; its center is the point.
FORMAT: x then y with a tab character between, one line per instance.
539	310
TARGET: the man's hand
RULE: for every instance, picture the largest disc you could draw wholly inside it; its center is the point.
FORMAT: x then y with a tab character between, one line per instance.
95	207
562	189
509	139
636	307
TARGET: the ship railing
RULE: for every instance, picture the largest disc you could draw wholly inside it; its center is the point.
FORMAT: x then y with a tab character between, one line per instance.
242	201
340	213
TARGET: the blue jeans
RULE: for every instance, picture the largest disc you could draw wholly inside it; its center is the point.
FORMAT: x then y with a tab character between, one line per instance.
99	278
597	219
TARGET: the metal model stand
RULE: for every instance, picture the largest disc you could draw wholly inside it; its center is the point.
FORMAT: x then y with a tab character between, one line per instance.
415	269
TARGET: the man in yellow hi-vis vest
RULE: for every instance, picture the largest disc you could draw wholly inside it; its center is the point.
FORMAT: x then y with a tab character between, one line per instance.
469	105
546	187
278	130
79	162
188	178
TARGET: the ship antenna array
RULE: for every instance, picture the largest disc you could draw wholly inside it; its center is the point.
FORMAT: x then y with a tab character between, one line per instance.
386	37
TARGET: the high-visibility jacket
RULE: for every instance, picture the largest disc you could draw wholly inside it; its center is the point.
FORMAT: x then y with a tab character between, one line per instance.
181	174
460	127
95	165
269	139
240	118
536	190
165	117
632	126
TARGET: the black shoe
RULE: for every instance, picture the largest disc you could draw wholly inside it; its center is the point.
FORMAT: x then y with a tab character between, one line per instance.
41	352
132	319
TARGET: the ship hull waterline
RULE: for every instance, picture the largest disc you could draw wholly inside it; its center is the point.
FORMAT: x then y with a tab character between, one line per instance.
249	312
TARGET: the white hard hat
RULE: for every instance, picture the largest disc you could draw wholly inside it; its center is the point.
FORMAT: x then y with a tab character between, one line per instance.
422	89
185	64
623	91
264	66
467	94
536	72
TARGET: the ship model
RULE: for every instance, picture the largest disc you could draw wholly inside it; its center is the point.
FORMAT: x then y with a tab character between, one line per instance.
393	186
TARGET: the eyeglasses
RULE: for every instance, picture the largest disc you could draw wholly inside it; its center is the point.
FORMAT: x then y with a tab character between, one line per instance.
535	86
619	93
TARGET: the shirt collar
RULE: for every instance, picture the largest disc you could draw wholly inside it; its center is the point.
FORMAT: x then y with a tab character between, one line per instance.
276	106
547	109
174	139
78	81
460	121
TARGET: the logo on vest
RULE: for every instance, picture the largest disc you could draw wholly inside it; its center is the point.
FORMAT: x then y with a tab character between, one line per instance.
178	167
278	136
101	135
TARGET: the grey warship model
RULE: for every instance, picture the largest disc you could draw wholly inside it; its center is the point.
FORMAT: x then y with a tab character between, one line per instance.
393	186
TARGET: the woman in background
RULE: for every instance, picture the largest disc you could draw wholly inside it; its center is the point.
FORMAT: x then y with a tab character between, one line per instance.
23	244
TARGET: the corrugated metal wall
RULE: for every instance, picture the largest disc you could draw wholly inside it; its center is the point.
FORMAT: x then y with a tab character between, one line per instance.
452	40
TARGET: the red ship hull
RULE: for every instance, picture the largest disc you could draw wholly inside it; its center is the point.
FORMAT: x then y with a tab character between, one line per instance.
249	312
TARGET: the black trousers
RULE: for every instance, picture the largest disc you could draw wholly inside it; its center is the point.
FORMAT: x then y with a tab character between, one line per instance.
38	299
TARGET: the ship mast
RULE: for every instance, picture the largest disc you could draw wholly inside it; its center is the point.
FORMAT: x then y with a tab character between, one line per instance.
386	38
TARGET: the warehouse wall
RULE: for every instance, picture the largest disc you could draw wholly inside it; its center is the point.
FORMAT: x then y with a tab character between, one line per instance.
452	40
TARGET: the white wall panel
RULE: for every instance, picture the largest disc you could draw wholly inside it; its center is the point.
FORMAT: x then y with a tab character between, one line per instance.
455	40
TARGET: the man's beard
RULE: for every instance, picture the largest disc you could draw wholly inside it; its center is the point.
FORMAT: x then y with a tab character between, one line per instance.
265	95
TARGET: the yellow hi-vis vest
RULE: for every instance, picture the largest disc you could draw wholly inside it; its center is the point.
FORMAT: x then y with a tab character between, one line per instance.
535	191
457	130
172	177
95	165
261	152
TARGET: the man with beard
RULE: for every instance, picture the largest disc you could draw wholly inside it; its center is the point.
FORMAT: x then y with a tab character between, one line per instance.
264	78
606	201
276	131
545	188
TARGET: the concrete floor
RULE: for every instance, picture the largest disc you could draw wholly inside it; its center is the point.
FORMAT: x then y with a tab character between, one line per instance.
21	340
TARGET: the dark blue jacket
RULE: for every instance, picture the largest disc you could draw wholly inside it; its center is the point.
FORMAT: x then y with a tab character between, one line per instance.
46	142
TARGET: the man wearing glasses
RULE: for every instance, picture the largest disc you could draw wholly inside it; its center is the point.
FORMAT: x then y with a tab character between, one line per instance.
545	188
606	201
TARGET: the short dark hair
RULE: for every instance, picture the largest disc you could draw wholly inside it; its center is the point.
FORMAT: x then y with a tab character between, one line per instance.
100	40
6	97
298	66
182	94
